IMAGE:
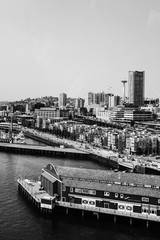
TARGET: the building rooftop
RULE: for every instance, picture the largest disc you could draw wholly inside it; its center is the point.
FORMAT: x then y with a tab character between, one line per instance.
108	180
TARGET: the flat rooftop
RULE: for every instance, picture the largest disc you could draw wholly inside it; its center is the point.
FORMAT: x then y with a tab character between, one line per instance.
34	189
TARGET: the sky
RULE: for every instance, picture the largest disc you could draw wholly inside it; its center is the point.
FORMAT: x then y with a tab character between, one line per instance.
75	46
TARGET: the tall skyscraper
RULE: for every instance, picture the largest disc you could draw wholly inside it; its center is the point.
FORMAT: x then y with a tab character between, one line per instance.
62	100
136	82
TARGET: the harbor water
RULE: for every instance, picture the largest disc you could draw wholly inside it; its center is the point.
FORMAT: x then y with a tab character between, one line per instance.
19	221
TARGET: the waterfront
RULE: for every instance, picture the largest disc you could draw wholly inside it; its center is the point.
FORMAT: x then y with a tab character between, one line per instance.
20	221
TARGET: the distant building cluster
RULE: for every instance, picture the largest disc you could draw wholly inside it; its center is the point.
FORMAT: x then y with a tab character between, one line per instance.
122	112
58	115
135	141
98	98
104	106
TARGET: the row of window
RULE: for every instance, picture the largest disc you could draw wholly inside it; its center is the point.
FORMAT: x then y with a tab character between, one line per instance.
85	191
144	199
80	190
120	207
106	194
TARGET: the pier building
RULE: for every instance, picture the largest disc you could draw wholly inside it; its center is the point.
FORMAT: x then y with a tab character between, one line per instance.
102	192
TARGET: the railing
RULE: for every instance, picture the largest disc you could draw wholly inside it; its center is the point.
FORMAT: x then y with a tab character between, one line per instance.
110	211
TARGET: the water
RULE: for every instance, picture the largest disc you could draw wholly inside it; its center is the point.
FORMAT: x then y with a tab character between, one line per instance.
19	221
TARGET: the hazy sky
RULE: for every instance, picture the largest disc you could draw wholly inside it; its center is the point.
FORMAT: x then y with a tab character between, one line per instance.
76	46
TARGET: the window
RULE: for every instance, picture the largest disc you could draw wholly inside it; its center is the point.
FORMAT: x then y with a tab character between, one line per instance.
155	187
91	202
129	208
124	183
107	194
46	201
106	205
71	189
85	191
153	211
145	199
92	192
78	190
121	196
121	207
84	201
116	195
63	188
63	199
144	210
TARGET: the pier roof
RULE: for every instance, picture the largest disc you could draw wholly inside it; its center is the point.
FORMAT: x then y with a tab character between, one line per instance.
108	175
108	180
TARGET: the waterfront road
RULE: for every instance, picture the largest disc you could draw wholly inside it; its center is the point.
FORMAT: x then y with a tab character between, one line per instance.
75	144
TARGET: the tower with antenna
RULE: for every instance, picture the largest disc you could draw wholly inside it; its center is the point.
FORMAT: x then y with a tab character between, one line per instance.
124	82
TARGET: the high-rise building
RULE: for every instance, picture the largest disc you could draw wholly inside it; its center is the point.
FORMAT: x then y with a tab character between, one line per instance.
79	103
117	100
98	98
90	98
136	81
62	100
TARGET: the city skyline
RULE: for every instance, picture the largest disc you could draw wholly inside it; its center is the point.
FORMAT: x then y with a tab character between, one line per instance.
49	47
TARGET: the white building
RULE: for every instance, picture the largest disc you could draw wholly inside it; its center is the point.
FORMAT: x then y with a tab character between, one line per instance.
62	100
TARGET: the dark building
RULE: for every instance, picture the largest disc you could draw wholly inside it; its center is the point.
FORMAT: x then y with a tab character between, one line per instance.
136	82
154	102
104	191
117	100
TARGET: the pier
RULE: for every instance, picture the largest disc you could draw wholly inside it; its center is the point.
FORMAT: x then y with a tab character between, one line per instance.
42	150
89	190
30	190
46	204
